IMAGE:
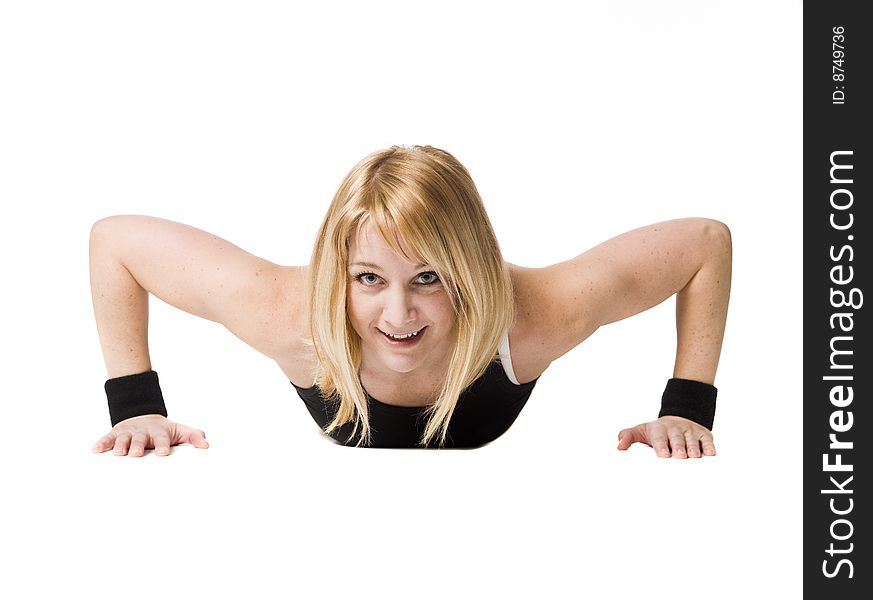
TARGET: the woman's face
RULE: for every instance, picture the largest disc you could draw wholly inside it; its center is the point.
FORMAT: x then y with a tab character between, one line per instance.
400	309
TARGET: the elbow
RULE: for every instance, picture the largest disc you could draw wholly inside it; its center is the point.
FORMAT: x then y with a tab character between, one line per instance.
99	233
102	235
716	238
108	226
717	251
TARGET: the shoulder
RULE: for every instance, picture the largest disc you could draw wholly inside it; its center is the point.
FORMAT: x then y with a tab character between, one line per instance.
528	336
271	317
284	333
550	316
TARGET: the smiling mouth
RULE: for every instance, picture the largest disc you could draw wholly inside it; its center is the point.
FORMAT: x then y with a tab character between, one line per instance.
403	337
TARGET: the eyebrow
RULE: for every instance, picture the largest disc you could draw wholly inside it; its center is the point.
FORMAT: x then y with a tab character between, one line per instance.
370	265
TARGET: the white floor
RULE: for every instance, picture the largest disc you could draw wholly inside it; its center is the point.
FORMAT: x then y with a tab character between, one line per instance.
576	125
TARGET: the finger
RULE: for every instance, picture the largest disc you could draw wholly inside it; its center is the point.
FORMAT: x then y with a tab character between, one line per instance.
628	437
122	443
162	443
195	437
708	445
659	443
198	439
625	439
137	444
104	443
692	445
677	442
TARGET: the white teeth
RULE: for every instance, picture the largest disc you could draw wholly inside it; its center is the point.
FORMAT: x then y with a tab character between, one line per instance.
402	337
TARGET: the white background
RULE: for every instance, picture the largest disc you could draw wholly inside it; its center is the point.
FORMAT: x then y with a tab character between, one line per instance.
241	119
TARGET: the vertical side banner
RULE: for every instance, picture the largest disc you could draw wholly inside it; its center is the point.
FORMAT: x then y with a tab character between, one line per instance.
837	365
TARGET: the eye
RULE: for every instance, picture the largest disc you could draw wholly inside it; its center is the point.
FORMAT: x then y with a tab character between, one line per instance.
368	279
428	278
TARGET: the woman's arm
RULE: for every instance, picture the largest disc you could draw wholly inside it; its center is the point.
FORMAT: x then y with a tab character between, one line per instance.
132	256
625	276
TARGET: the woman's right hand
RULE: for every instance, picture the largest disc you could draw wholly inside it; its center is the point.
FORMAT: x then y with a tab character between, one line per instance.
132	437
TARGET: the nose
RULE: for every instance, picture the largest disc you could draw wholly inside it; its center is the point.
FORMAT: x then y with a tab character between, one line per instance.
399	309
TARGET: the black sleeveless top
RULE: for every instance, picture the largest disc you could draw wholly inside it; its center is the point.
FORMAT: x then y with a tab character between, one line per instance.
484	411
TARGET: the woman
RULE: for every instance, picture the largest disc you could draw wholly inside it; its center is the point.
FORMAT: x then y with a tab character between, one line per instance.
407	327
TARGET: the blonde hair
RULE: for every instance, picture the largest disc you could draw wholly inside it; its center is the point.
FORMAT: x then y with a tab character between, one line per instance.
422	197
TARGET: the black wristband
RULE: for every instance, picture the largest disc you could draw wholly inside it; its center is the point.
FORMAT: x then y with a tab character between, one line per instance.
693	400
133	396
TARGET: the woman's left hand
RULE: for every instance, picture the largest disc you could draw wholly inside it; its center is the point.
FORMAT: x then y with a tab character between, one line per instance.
670	437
